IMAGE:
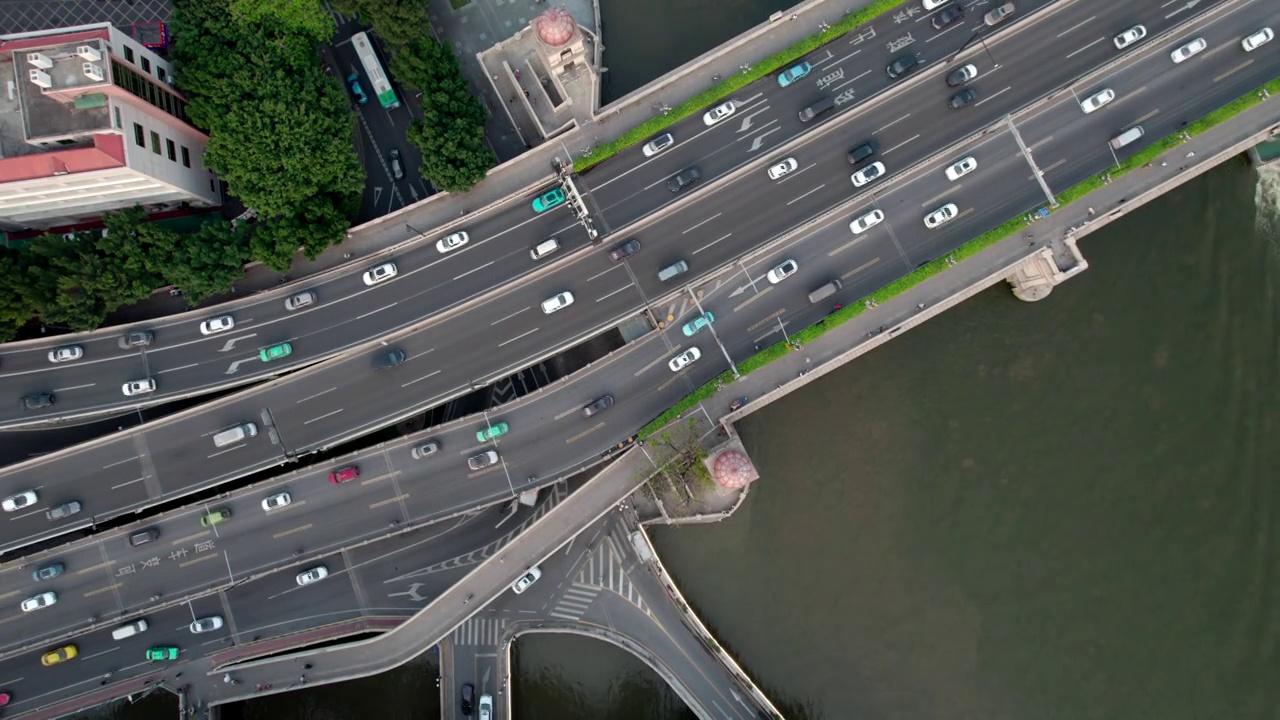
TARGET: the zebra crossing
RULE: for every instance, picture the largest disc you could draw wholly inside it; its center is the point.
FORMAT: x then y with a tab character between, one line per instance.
603	568
478	630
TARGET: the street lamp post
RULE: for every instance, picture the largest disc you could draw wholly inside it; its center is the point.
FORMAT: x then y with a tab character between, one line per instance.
413	230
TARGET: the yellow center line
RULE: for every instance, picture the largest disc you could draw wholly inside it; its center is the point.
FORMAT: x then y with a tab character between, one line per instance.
207	556
1148	116
1045	170
92	568
486	471
584	433
1042	142
189	538
8	595
765	320
290	532
859	269
388	501
373	480
655	362
108	588
1235	69
753	298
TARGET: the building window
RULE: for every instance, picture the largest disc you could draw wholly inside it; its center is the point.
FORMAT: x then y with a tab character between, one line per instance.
128	53
186	157
66	142
160	72
146	65
155	142
213	187
117	115
139	135
171	149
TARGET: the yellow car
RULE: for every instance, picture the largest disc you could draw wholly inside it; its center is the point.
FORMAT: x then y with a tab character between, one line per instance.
66	652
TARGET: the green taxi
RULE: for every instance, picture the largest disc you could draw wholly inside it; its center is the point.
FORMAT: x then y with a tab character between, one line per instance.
275	352
161	654
495	430
548	199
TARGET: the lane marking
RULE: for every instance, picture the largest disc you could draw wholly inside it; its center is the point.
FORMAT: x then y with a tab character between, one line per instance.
424	377
808	193
188	538
584	433
1047	168
287	533
1237	68
753	298
182	367
993	97
120	462
615	292
74	387
1146	117
605	272
768	319
1077	25
704	222
892	123
1036	146
375	312
206	556
474	270
860	268
125	484
388	501
856	239
504	319
895	147
313	397
518	337
335	412
1086	47
713	242
944	32
101	590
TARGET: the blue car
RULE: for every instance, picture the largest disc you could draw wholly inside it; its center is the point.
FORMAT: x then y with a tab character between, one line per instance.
794	73
548	199
354	81
48	572
692	327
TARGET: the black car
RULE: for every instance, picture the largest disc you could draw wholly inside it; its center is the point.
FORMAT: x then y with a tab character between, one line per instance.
948	16
902	65
862	152
468	698
626	249
962	98
388	359
35	402
683	179
601	403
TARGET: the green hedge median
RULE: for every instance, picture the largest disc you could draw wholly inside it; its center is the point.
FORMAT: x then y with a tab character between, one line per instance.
737	80
969	249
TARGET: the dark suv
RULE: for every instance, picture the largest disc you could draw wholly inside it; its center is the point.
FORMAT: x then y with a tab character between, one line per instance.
902	65
862	152
468	698
388	359
964	97
948	16
626	249
683	179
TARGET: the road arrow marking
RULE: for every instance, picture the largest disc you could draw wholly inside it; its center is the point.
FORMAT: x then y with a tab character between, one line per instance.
231	342
412	593
377	193
231	370
746	121
755	144
1190	4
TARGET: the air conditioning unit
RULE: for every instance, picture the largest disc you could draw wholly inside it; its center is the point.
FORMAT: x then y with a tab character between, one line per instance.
88	52
93	72
39	60
40	78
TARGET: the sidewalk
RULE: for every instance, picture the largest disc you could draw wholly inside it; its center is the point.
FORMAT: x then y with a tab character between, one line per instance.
519	176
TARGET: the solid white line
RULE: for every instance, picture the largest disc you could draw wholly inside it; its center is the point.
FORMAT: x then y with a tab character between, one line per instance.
504	319
615	292
312	397
713	242
605	272
992	97
1086	47
117	487
224	452
335	412
1073	27
704	222
74	387
184	367
944	32
846	57
808	193
375	312
518	337
895	147
424	377
104	652
894	122
120	462
855	77
459	277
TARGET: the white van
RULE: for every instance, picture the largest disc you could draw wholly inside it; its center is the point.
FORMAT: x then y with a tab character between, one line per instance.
128	631
1126	137
544	248
824	292
233	435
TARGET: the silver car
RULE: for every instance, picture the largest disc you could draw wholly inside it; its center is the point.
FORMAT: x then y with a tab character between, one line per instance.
941	215
139	387
278	500
43	600
658	144
66	353
425	450
483	460
452	241
378	273
206	624
300	300
684	359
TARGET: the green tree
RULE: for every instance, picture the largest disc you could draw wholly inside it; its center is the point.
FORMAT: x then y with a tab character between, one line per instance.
207	262
451	131
396	22
15	306
303	17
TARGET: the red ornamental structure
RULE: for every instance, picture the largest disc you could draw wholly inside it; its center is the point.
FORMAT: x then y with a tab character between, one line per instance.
555	26
732	469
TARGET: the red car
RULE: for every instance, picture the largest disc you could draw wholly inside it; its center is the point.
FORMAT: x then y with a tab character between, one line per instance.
346	474
4	699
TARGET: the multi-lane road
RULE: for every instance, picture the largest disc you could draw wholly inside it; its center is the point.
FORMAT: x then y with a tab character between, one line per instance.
709	229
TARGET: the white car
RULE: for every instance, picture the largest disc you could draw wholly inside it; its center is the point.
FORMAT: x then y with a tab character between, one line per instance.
19	501
941	215
377	274
718	113
66	353
278	500
1129	37
139	387
42	600
865	222
785	270
658	144
1191	49
786	166
1097	100
556	302
867	174
217	324
1257	40
452	242
206	624
934	4
486	707
526	580
960	168
684	359
306	577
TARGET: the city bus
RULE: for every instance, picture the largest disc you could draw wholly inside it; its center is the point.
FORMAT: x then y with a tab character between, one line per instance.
373	68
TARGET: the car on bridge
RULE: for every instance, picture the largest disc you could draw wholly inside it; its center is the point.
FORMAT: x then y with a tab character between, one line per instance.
38	401
275	352
205	624
783	168
138	387
960	168
1189	50
346	474
214	517
300	300
784	270
948	16
658	144
863	223
549	199
999	14
867	174
559	301
53	657
962	75
66	353
16	502
684	359
485	459
625	250
486	707
315	574
963	98
276	501
600	404
1097	100
162	654
496	430
468	696
136	339
941	215
63	510
380	273
718	113
452	241
47	572
526	580
36	602
1257	40
425	450
217	324
1129	37
692	327
793	73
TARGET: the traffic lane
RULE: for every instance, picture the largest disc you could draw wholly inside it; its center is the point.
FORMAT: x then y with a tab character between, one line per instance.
276	604
456	354
173	449
207	606
80	599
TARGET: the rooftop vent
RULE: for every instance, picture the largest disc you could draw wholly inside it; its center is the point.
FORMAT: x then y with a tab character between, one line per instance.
88	52
39	60
93	72
40	78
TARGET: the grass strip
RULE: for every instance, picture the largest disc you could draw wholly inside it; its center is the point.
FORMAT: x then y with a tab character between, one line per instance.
965	251
767	66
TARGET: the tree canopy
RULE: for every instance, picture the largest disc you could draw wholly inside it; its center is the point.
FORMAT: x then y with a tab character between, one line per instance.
397	22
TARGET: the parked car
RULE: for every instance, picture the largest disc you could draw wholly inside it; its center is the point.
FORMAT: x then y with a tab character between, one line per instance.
960	168
684	359
353	81
549	199
526	580
397	170
793	73
718	113
658	144
66	353
1189	50
625	250
600	404
379	273
962	75
346	474
782	168
483	460
784	270
867	174
865	222
217	324
452	241
941	215
1129	37
205	624
692	327
496	430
